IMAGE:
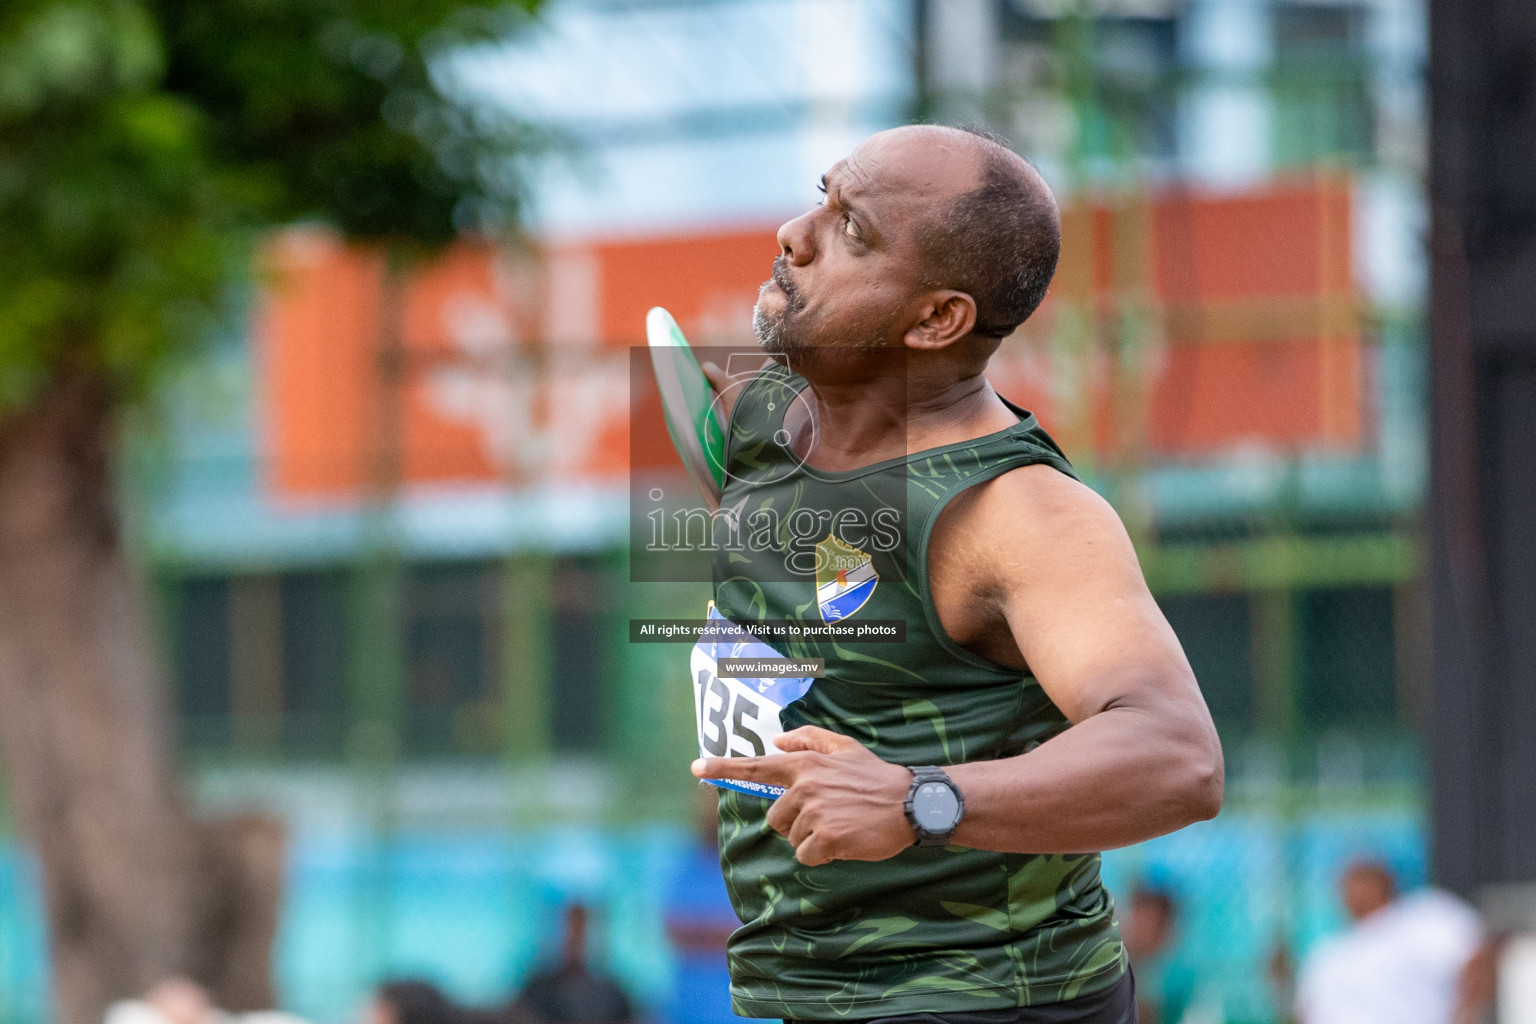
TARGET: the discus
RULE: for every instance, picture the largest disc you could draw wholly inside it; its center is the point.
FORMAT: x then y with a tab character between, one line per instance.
688	404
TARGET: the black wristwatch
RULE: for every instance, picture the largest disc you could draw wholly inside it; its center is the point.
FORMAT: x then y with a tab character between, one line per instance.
934	806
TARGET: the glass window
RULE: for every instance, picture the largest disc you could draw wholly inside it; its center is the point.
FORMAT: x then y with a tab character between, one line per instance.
201	654
579	693
1323	103
1318	30
1135	60
450	691
314	657
1216	631
1348	658
1125	59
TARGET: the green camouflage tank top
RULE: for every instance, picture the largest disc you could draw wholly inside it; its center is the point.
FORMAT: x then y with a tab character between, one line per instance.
931	929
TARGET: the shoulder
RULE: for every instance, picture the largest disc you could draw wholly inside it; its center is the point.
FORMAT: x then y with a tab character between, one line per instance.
1043	553
1039	514
1437	920
1040	493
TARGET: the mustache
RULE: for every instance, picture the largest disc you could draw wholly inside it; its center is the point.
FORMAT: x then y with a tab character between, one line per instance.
781	278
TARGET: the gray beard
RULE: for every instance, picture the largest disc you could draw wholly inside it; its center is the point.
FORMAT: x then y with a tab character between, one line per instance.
773	334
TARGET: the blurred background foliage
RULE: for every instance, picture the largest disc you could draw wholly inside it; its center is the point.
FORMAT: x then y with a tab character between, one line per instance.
146	152
143	145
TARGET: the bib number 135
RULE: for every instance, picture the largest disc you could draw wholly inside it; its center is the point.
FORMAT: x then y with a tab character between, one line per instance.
732	722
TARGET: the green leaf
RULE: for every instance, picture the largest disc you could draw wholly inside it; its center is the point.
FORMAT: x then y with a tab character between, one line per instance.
145	144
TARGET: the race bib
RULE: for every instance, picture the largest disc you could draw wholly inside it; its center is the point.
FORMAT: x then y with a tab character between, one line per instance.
738	717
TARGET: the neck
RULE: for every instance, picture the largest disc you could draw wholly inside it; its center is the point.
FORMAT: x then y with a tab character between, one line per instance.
891	414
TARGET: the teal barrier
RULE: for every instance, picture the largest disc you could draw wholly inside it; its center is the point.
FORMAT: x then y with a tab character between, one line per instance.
477	910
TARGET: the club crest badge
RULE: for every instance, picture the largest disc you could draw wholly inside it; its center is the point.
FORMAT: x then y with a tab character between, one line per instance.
845	579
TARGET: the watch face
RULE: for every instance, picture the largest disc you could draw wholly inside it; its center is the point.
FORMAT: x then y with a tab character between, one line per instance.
935	808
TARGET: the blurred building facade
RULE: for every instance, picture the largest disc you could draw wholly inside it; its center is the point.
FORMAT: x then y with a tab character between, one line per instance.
385	520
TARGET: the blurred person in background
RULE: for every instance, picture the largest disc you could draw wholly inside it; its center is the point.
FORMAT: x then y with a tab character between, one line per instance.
172	1001
183	1001
572	992
1403	960
1164	982
410	1001
699	921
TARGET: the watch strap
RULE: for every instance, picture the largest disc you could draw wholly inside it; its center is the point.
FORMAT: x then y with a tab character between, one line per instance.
922	775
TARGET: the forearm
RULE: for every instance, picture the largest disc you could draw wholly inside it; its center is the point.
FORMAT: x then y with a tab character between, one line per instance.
1118	777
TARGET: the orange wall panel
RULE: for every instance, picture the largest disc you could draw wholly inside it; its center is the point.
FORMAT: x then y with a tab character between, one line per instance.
709	282
1253	335
1291	239
482	399
518	372
315	357
1213	397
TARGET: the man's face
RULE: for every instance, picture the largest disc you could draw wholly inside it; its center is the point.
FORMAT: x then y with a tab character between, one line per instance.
849	271
1149	925
1365	888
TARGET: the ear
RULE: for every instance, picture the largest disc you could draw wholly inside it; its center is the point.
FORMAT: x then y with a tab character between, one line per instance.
945	318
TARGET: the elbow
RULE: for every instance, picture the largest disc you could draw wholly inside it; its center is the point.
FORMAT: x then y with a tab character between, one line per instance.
1205	779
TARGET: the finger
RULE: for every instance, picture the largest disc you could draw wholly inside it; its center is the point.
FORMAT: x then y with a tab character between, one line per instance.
717	378
811	737
785	811
721	382
773	771
813	851
801	829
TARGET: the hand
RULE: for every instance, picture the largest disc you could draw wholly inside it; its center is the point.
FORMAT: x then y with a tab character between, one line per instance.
727	387
722	385
842	802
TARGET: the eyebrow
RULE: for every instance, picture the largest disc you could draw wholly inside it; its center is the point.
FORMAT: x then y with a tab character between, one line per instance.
865	221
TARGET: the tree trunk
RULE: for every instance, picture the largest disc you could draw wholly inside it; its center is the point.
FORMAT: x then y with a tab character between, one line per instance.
136	890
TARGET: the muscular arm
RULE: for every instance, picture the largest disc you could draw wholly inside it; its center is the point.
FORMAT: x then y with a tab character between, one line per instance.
1032	568
1141	758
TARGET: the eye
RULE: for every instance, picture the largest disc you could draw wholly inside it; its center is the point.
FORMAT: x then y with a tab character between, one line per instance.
849	227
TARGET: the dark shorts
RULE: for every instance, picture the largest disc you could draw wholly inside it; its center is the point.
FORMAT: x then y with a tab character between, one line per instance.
1113	1005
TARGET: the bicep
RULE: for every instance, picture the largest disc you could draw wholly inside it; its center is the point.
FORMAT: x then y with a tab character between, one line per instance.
1078	607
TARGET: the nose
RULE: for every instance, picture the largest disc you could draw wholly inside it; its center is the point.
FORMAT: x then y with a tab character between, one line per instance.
797	241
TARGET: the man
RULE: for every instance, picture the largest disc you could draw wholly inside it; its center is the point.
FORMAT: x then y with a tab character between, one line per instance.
414	1001
699	921
1402	961
572	991
1040	696
1164	983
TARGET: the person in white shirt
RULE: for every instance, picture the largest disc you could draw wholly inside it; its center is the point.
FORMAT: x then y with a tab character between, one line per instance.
183	1001
1401	961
